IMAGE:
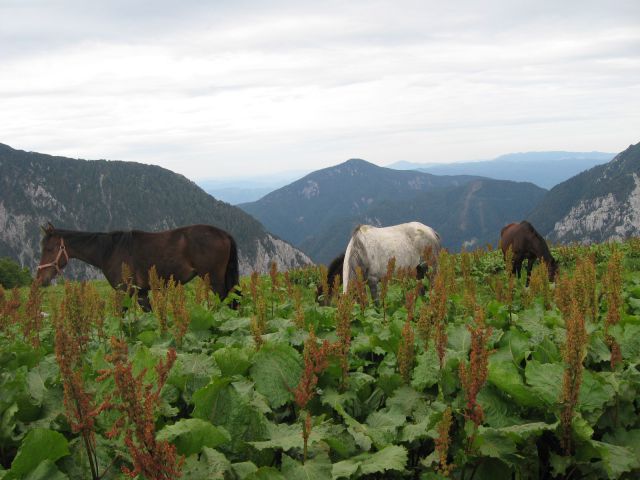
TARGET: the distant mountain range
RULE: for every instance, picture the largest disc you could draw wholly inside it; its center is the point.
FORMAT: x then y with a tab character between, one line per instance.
545	169
102	195
600	204
318	212
249	188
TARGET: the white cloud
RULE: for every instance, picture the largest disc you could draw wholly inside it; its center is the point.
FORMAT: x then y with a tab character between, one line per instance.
225	88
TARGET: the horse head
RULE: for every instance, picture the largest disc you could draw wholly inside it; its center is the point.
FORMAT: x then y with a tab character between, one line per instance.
54	256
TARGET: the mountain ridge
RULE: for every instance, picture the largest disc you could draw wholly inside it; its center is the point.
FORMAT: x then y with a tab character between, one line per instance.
545	169
600	204
107	195
357	191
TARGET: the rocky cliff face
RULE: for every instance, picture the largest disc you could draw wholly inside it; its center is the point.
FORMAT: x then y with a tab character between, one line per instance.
108	195
601	218
598	205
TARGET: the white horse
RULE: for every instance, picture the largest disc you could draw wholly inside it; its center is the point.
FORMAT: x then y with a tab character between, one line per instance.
370	248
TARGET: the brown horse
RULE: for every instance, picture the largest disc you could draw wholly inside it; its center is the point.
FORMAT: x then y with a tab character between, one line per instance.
526	243
181	253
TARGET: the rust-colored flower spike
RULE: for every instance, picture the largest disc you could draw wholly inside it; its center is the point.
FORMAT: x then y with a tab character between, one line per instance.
510	280
585	286
360	291
80	409
275	284
539	283
78	300
446	268
612	283
298	307
433	321
343	331
425	323
181	316
443	443
337	287
323	276
474	374
563	293
573	353
410	304
203	292
159	298
406	352
273	273
384	286
137	402
254	286
32	320
288	284
316	360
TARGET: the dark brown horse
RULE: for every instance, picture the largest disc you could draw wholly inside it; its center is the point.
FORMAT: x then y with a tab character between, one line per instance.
182	253
526	243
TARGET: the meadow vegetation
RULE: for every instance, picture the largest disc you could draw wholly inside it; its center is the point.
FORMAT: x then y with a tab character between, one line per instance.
475	377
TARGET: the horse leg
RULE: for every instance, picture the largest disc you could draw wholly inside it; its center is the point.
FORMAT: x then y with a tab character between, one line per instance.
529	268
216	281
143	299
517	265
373	286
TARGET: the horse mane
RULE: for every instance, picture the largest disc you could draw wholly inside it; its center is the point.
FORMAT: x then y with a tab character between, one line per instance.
546	253
104	241
506	227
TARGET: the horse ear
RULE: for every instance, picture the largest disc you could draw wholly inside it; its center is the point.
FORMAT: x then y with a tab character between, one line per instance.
48	228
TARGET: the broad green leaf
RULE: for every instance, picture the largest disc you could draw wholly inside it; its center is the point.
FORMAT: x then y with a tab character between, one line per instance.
222	405
499	411
393	458
345	468
210	465
492	444
616	460
625	438
243	469
285	437
276	370
39	445
191	435
191	372
532	322
546	351
317	468
232	361
201	318
265	473
427	370
47	470
517	343
214	401
545	380
630	342
382	426
507	378
595	391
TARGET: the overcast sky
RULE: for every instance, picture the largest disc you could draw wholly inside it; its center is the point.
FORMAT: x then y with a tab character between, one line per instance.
216	89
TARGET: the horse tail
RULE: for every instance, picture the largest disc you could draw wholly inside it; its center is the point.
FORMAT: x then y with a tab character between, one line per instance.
232	274
352	259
